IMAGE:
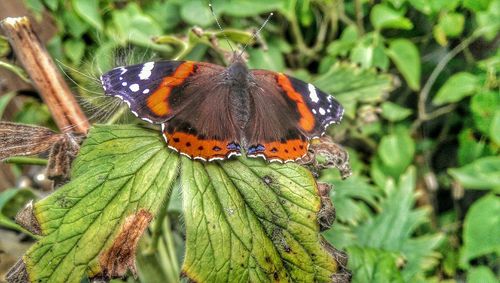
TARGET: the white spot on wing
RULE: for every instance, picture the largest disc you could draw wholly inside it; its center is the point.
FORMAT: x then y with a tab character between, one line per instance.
312	93
145	91
134	87
314	111
124	84
123	70
322	111
146	70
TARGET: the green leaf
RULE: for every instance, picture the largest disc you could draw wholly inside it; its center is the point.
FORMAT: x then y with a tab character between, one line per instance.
243	8
457	87
494	128
350	85
4	101
384	17
391	230
393	112
481	274
374	265
272	59
121	172
406	57
133	25
354	206
11	201
482	174
481	229
89	11
483	106
469	148
4	47
52	4
396	151
74	50
345	43
194	13
250	221
166	14
476	5
452	24
75	26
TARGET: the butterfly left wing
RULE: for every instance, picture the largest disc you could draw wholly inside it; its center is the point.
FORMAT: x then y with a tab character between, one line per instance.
146	87
285	114
186	99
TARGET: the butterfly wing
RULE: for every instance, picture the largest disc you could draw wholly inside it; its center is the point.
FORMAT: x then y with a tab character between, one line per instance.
285	114
186	99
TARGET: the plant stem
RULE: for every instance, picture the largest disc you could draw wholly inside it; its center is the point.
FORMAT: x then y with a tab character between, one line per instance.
359	16
26	160
424	93
16	70
45	76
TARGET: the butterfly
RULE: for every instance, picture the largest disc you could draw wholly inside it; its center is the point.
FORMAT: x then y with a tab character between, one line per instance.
210	112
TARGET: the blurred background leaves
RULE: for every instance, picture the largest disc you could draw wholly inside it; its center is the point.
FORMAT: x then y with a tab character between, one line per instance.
418	79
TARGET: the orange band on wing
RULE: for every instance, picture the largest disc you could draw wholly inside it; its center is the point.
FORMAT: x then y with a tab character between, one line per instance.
195	147
157	102
284	151
307	120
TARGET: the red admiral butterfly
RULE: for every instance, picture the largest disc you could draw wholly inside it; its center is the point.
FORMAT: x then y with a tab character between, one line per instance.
209	112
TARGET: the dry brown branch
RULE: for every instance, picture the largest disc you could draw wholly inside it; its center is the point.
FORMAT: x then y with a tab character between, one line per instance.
46	78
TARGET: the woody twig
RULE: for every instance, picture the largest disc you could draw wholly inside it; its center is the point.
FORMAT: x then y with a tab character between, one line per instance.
46	78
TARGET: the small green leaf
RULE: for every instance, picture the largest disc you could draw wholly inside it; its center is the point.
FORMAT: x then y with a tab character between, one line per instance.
456	88
477	5
52	4
481	274
452	24
11	201
391	229
133	25
406	57
483	106
196	14
469	148
4	101
74	49
482	174
481	229
243	8
494	128
396	151
351	85
89	11
252	222
4	47
384	17
373	265
272	59
75	26
393	112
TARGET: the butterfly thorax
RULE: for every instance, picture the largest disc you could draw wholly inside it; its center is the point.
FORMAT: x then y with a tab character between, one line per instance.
240	81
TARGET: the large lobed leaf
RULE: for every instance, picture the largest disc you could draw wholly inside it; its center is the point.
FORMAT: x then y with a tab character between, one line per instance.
253	222
245	219
120	173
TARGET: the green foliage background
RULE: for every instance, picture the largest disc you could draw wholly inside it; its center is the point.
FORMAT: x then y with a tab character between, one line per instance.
418	79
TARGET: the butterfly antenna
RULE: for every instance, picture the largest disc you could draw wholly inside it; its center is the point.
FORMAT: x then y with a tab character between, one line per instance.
255	34
220	27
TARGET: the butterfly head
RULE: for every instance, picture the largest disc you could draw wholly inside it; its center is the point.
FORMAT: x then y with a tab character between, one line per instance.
237	70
